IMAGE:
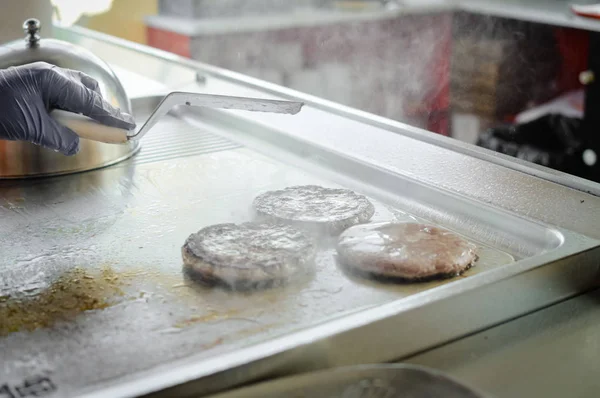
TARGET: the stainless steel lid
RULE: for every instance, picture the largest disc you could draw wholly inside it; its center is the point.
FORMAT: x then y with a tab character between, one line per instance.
23	159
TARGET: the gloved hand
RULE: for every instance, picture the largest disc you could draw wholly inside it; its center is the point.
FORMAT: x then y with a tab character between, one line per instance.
29	92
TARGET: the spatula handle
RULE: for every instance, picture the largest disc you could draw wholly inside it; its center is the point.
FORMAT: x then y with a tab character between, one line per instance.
90	129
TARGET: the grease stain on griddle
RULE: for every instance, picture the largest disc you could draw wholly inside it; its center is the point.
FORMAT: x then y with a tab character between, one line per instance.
71	294
244	333
80	290
212	316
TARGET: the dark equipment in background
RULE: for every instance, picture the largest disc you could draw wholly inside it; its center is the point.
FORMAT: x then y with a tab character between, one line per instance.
552	140
560	142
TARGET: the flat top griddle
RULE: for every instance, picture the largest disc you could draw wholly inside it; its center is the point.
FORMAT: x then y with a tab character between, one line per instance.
92	267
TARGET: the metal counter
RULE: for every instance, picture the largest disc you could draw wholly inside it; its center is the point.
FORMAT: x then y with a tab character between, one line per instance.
551	353
538	239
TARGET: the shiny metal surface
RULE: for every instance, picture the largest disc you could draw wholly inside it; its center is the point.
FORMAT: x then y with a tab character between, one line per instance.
157	330
90	129
475	164
367	381
189	141
552	353
215	101
22	159
469	200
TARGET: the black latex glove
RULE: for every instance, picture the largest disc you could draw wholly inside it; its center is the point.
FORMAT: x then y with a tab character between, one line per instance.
29	92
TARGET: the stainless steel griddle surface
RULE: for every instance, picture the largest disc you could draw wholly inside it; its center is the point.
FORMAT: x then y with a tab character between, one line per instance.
91	282
124	228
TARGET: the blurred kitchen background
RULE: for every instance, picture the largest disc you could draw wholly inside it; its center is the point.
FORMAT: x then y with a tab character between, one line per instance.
456	68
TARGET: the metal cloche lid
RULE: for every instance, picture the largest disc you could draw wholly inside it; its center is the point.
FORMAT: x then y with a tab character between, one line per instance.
22	159
65	55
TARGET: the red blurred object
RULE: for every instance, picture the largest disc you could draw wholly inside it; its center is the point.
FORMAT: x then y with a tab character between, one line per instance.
439	101
586	10
573	45
169	41
434	107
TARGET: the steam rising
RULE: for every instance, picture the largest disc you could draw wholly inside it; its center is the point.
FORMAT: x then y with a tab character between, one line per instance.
248	256
401	60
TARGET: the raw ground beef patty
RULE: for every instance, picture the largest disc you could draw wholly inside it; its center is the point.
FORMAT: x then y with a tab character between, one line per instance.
405	251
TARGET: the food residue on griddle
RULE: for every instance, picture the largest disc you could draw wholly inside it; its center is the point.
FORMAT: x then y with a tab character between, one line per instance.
212	316
74	292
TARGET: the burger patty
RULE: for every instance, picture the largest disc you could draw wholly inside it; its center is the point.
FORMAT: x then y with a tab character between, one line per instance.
312	206
247	255
405	251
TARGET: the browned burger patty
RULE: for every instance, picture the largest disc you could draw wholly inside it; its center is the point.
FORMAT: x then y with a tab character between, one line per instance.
405	251
248	255
312	206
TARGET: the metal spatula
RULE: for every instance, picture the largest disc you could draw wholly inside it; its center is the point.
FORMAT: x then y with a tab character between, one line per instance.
92	130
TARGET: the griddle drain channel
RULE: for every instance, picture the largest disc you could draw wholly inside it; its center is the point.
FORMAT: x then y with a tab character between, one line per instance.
173	138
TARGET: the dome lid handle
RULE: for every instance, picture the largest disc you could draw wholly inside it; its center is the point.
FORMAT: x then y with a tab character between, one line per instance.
32	28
